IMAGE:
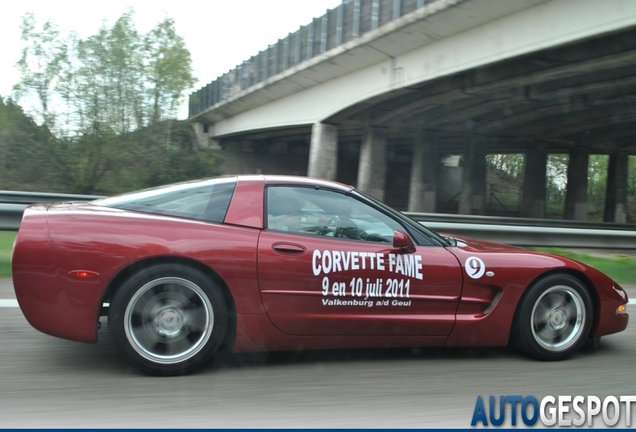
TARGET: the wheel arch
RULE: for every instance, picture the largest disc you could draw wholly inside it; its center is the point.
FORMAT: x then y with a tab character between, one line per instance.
137	266
582	277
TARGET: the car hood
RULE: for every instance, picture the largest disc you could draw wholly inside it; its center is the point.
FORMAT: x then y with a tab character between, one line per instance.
504	255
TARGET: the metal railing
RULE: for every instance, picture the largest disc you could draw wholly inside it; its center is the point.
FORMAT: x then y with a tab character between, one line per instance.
12	204
533	232
515	231
348	21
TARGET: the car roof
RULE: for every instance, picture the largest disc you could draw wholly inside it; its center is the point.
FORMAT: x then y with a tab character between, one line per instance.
304	181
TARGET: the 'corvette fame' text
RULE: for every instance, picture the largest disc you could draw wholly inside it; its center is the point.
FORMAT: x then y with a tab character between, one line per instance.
326	262
366	292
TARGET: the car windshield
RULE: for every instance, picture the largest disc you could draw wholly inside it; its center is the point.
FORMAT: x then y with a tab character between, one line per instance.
206	200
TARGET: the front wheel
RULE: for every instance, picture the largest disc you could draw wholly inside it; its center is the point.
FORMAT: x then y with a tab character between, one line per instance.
168	319
554	319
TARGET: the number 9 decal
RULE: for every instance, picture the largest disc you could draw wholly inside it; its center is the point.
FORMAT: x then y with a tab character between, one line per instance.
475	267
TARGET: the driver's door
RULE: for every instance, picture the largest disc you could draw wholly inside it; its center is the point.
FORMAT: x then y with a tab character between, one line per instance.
327	265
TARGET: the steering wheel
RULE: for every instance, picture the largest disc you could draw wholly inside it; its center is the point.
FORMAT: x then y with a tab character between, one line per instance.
335	221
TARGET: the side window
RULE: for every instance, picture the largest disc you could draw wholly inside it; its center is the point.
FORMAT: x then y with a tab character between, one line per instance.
283	212
326	213
208	200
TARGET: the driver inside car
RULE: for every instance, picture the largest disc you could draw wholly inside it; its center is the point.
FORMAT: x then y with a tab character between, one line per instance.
284	214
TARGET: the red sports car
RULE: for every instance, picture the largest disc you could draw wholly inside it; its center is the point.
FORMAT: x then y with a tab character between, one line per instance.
259	263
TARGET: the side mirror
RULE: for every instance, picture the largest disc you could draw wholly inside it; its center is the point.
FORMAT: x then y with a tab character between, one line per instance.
401	240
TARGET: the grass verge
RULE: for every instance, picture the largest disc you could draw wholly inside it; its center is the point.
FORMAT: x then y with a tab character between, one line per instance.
6	244
621	268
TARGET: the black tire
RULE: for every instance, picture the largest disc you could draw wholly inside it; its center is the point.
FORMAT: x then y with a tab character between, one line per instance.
554	318
168	319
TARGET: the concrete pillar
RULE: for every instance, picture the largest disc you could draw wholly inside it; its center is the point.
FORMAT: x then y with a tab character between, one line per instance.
576	193
472	199
323	152
534	191
201	131
616	194
423	187
204	135
372	167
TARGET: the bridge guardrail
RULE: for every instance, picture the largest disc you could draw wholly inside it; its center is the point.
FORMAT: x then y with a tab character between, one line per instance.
515	231
348	21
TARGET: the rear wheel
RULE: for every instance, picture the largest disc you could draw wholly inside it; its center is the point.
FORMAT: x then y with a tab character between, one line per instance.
554	319
168	319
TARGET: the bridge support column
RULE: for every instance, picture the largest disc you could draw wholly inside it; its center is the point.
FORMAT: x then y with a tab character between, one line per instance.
472	199
534	191
202	134
576	194
372	167
323	152
616	193
423	188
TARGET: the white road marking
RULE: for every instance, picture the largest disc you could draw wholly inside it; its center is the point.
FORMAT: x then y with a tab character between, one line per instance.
8	303
13	303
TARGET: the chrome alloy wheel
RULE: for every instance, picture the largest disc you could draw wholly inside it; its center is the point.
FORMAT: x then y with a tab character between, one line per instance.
558	318
169	320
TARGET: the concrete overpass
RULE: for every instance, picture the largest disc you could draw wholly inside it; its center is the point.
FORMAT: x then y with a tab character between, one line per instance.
377	92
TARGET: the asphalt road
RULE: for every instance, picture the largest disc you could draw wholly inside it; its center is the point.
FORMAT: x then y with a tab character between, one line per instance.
49	382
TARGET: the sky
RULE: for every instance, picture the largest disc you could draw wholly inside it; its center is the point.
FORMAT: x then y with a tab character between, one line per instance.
220	34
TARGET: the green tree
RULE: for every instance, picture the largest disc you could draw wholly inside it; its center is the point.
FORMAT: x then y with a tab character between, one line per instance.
92	92
596	185
507	177
43	59
556	184
511	164
164	152
166	55
20	142
505	182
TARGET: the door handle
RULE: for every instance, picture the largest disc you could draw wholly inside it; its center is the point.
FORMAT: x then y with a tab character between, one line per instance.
289	248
